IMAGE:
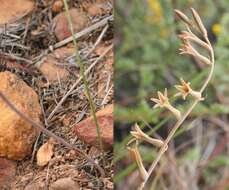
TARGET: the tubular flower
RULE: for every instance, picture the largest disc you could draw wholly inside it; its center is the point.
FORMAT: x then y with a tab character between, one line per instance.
185	89
156	13
198	22
163	101
183	17
189	36
140	135
137	158
187	48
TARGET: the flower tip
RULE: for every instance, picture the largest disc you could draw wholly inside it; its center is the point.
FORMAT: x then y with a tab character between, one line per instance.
194	12
166	92
182	16
192	9
133	133
136	126
198	22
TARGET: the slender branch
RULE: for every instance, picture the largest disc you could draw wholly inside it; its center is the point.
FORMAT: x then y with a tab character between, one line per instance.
183	117
49	133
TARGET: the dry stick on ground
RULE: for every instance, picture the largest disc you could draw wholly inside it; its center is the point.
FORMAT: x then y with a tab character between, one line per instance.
78	81
91	28
94	45
97	41
187	37
50	134
14	57
78	35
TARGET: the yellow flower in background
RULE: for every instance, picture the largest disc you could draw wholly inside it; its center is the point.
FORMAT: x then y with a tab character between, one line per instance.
155	14
164	32
216	29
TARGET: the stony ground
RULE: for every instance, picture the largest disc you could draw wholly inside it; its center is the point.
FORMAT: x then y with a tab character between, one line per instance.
36	48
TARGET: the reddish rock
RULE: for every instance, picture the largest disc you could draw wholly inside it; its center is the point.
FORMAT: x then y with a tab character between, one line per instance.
79	21
11	10
51	67
16	135
86	129
7	172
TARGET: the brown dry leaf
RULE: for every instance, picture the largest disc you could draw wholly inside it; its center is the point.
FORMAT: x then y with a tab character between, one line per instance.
16	135
11	10
45	153
51	67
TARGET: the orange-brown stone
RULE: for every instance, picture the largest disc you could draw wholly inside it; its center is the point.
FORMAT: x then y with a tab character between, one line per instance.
86	129
16	135
11	10
51	67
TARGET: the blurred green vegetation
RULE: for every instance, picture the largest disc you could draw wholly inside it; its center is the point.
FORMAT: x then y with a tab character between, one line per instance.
147	60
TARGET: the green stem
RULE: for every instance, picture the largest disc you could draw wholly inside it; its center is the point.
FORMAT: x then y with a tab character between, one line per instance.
82	74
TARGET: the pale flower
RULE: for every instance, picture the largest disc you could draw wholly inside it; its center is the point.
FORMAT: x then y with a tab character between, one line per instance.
198	22
163	101
186	48
185	89
183	17
140	135
137	158
189	36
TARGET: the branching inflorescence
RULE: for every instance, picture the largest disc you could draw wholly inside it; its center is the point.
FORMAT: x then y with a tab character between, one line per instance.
195	34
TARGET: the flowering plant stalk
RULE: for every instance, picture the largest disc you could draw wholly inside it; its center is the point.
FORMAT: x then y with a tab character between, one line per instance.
188	38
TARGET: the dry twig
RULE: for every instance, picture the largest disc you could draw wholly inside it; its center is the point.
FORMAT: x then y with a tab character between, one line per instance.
91	28
50	134
78	81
